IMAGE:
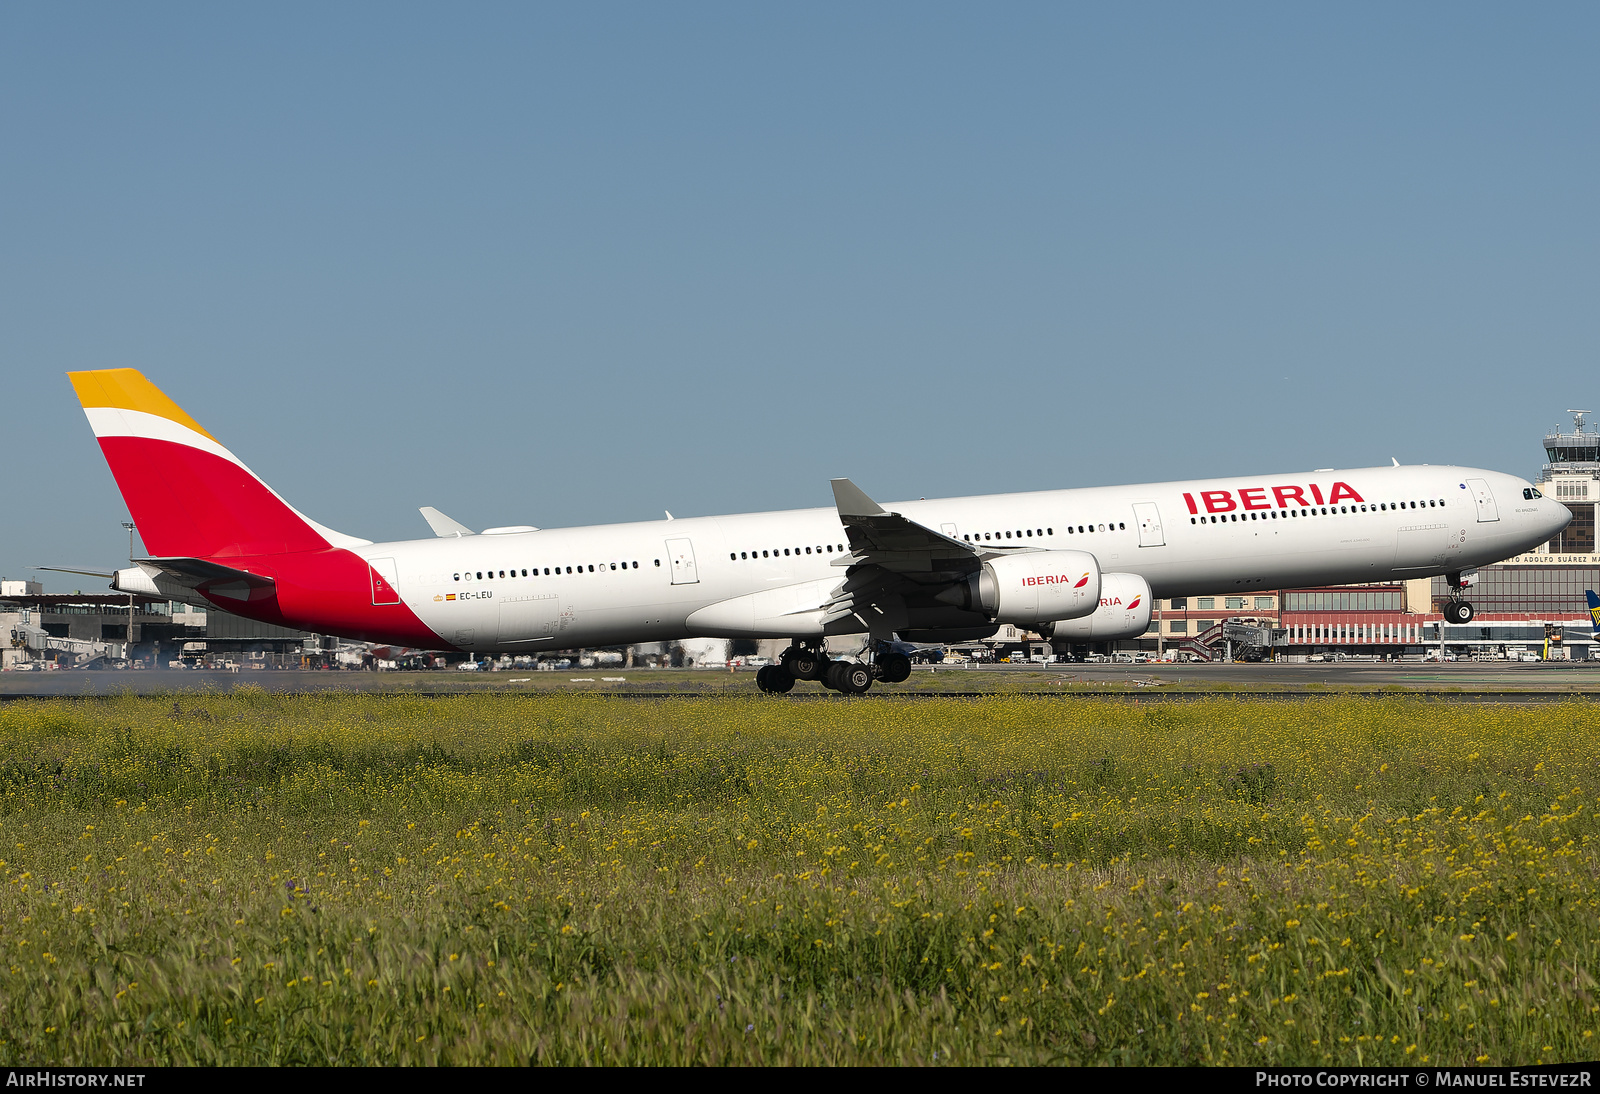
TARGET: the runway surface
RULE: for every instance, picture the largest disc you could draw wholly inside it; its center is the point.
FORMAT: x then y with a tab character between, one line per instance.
1470	681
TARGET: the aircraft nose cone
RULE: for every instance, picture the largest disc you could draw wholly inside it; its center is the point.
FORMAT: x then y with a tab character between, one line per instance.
1559	517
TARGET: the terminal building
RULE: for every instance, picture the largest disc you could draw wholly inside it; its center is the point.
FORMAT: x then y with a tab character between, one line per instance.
40	630
1533	605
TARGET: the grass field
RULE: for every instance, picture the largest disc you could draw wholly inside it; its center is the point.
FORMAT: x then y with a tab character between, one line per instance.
492	879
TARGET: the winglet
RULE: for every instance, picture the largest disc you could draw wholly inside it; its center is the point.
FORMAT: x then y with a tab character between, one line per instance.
851	502
1594	609
1394	461
443	526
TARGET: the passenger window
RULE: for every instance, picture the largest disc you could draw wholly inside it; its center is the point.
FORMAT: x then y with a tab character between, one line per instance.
1050	531
458	577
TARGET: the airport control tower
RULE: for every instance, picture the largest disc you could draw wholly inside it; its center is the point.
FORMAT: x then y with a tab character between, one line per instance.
1571	475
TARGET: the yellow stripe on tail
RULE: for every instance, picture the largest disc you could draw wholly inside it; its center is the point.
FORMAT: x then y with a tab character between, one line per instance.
127	389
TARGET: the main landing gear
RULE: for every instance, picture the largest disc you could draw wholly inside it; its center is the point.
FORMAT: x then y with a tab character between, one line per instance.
1458	611
811	662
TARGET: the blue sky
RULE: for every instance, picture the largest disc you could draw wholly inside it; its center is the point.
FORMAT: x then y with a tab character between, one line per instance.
571	264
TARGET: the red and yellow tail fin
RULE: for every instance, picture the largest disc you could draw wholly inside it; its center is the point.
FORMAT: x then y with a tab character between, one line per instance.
189	495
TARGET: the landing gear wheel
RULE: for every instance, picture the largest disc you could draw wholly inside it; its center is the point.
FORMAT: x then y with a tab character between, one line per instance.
804	664
773	680
1459	611
849	677
894	668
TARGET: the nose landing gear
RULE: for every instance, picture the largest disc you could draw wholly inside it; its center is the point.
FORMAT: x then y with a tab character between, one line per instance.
1458	610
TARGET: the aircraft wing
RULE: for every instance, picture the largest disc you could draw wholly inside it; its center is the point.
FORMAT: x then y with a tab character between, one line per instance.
893	542
890	556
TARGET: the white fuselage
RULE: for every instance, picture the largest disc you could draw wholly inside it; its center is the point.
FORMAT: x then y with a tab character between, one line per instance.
624	583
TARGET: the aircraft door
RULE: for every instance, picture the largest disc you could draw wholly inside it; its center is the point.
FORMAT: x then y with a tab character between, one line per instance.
948	529
680	553
1149	521
1479	488
385	581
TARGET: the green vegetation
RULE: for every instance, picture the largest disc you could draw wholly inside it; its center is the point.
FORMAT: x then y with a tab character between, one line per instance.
492	879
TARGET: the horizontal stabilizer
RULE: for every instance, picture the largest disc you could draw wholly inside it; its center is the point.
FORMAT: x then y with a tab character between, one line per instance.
443	526
211	579
76	570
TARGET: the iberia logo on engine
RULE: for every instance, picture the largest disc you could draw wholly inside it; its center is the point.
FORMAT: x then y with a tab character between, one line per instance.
1057	579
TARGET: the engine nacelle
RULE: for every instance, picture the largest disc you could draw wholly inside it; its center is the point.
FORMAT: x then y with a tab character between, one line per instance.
1031	588
1124	612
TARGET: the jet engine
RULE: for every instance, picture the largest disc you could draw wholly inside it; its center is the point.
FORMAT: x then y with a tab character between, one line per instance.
1124	612
1031	588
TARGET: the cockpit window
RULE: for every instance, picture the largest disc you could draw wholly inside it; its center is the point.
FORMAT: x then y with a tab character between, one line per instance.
1530	493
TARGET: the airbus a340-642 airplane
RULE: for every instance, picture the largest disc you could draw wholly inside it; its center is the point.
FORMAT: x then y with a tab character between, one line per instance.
1074	565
